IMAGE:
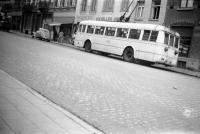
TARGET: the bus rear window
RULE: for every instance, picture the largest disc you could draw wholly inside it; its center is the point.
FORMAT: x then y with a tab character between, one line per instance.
154	35
171	40
146	35
110	31
166	38
176	42
90	29
134	34
99	30
122	32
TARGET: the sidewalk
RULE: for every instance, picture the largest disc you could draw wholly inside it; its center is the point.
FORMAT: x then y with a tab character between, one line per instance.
173	69
24	111
179	70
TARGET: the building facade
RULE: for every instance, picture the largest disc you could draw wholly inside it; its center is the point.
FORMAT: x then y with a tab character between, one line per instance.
60	14
11	13
182	16
64	14
104	10
34	14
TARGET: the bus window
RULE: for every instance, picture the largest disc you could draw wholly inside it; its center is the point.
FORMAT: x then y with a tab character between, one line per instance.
110	31
122	32
134	34
146	35
90	29
176	42
171	40
99	30
80	27
83	28
154	35
166	38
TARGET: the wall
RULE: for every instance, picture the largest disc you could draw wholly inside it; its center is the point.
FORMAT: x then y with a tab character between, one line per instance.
99	14
147	13
186	21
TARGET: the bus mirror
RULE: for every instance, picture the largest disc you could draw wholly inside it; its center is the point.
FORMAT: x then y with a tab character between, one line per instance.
176	52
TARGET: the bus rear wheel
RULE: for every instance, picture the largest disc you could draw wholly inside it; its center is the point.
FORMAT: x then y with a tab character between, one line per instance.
87	46
128	54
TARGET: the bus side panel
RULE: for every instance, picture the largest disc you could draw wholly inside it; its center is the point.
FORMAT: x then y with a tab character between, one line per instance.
146	51
116	45
171	58
79	39
98	43
166	57
160	55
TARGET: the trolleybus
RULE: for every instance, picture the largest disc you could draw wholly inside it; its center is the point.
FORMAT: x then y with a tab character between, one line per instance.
148	42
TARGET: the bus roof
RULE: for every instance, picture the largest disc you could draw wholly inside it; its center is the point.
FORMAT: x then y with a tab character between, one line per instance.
129	25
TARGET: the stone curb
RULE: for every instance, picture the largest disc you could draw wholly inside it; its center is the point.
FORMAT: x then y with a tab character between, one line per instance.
91	129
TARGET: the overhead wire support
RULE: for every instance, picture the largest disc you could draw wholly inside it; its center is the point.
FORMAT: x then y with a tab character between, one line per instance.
128	18
123	16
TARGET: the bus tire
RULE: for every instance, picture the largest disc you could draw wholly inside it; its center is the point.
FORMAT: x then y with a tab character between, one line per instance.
87	46
128	54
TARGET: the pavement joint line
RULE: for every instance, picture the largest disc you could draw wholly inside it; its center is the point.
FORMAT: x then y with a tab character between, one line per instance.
74	118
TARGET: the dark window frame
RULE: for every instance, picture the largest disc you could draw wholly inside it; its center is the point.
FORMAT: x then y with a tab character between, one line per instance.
147	36
155	9
186	4
153	37
99	32
108	5
108	33
134	34
83	5
93	6
90	29
122	32
124	5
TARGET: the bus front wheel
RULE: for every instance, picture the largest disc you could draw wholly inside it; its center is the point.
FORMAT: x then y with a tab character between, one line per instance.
128	54
87	46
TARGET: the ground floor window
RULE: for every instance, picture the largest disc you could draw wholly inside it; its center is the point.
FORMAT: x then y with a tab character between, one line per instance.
184	46
185	40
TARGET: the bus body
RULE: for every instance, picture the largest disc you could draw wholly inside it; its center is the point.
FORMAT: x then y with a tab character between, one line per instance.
148	42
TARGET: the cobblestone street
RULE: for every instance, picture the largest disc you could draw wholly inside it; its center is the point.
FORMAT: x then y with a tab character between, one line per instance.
115	96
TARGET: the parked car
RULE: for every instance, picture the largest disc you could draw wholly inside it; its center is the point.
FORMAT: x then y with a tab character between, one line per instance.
42	34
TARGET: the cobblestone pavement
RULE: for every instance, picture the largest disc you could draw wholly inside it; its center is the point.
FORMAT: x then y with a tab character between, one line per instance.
24	111
115	96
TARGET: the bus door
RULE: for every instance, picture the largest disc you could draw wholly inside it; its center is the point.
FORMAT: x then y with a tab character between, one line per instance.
172	53
110	45
148	45
99	39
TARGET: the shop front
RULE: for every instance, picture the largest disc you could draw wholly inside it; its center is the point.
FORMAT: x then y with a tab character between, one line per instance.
65	28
